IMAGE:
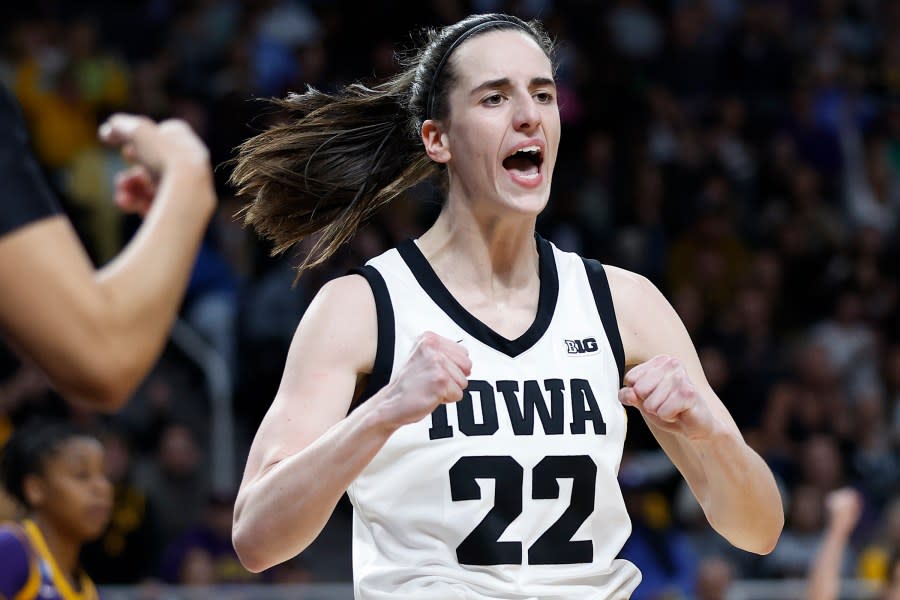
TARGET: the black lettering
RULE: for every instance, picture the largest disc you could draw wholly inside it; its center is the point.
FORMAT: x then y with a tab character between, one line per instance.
465	412
522	420
585	408
590	345
440	427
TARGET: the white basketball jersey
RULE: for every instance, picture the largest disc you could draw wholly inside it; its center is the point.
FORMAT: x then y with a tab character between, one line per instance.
511	492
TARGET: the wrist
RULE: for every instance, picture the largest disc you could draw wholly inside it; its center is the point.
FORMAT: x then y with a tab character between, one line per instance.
379	416
716	433
193	177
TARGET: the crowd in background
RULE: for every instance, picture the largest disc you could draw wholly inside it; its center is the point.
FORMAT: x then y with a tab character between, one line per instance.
743	155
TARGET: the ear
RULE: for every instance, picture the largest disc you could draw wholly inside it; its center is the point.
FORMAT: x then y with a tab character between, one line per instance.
435	141
34	490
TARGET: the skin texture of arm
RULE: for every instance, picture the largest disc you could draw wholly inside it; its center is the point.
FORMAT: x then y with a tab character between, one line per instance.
665	381
308	450
97	332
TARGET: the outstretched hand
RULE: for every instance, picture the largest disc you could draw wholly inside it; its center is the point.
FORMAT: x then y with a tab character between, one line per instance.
661	389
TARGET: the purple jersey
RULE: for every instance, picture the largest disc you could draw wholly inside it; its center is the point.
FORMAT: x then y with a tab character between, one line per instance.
29	570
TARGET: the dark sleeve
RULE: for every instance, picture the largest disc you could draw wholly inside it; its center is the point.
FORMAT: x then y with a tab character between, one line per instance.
14	558
25	195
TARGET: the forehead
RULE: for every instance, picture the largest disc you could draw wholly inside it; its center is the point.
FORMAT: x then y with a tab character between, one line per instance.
498	54
75	449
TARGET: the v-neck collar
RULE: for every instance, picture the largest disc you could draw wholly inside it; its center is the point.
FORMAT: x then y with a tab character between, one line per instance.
435	288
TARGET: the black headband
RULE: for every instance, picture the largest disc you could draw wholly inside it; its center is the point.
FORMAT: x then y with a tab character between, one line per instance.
429	99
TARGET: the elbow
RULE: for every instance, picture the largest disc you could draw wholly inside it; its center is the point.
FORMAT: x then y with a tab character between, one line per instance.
249	549
106	388
769	541
764	536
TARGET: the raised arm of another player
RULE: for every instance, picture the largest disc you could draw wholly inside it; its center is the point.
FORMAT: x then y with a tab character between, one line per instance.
844	507
96	333
665	382
308	450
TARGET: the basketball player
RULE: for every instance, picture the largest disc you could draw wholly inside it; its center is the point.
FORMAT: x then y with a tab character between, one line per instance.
97	332
57	472
466	388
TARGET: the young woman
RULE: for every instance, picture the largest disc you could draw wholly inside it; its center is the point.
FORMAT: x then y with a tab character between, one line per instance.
466	387
56	471
96	333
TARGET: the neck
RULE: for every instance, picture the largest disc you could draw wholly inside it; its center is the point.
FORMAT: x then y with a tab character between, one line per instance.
63	547
487	251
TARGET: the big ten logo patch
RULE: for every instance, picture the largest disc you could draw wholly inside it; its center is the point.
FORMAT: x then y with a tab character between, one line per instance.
580	347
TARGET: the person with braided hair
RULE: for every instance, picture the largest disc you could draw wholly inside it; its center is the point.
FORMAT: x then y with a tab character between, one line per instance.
466	388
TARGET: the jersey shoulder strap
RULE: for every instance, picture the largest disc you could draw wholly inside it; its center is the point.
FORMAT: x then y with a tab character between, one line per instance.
599	282
384	353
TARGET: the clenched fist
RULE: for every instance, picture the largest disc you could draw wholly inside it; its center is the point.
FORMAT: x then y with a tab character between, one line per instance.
661	389
435	373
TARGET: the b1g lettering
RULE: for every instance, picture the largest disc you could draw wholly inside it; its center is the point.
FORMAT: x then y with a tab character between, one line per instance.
549	408
585	346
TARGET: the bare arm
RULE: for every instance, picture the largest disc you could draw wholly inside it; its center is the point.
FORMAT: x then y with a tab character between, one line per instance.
844	508
97	332
308	450
666	383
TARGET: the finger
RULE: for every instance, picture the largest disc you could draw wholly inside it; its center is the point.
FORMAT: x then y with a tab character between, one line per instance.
647	382
120	128
447	347
628	397
129	152
456	373
459	355
661	402
139	179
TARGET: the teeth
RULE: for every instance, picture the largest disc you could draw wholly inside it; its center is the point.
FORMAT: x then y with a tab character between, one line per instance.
529	149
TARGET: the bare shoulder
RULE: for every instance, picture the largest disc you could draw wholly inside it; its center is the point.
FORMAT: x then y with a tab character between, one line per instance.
340	323
647	322
632	293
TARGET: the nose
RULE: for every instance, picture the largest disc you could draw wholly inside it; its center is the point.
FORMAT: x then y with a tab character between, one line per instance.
526	116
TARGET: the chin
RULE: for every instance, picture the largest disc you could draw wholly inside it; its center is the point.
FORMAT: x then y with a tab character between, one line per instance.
533	202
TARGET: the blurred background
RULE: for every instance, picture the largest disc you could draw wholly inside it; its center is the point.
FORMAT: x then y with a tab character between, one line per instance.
743	155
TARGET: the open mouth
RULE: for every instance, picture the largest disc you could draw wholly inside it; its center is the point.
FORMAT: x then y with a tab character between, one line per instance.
525	162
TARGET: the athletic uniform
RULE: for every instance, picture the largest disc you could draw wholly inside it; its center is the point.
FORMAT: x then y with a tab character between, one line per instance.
24	194
512	492
29	571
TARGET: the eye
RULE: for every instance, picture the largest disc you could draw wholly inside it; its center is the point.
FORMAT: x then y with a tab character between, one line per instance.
544	97
493	100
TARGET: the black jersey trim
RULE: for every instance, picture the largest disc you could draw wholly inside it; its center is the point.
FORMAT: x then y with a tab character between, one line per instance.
384	354
441	296
596	275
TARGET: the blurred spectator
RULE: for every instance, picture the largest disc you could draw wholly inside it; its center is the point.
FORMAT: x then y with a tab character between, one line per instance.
880	560
801	537
175	482
714	578
128	551
745	156
204	554
668	563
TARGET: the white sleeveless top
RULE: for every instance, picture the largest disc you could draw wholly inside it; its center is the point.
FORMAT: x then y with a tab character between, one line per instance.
512	492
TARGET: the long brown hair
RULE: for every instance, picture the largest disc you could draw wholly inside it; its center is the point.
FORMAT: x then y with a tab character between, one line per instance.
336	158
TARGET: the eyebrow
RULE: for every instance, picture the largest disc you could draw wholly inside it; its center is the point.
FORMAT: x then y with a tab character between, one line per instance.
504	82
